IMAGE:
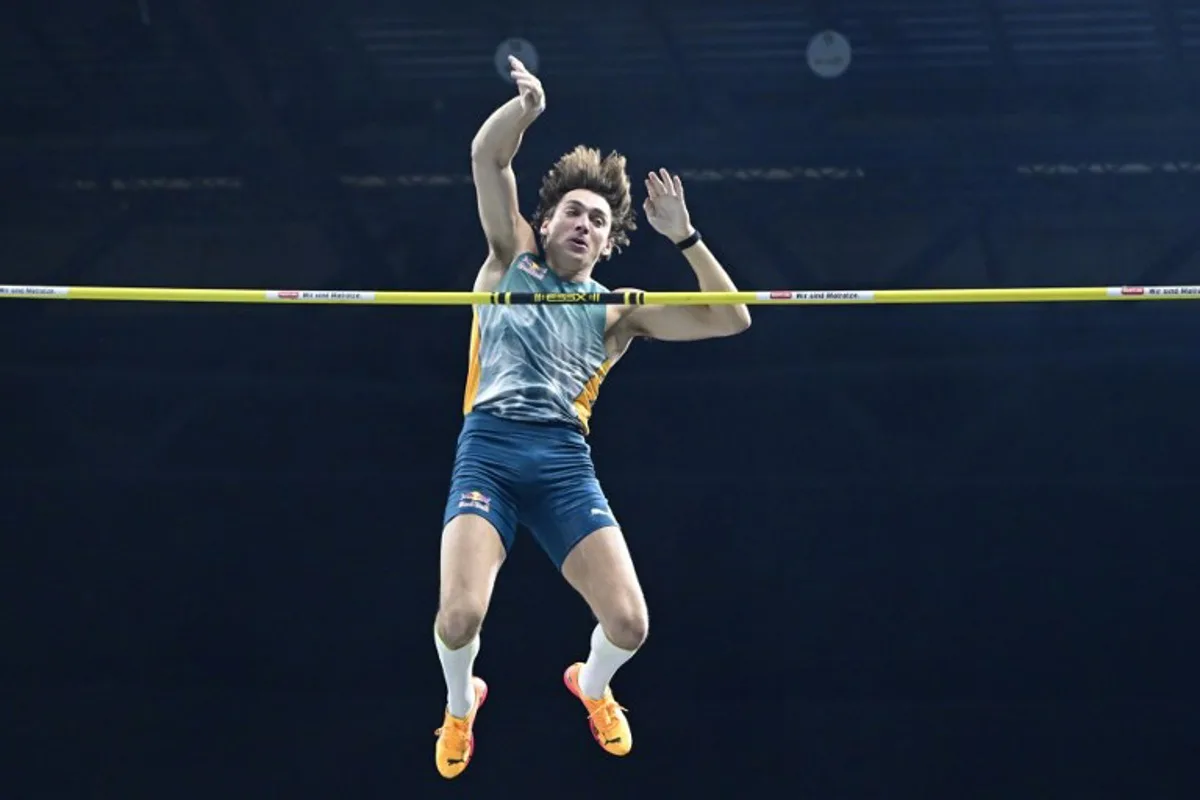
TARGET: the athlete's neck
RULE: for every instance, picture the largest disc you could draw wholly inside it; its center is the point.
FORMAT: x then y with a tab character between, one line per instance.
571	270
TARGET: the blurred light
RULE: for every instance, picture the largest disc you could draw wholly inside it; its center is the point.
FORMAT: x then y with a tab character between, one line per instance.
828	54
522	49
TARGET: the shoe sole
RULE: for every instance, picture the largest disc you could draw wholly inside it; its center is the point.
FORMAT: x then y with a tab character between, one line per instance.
478	707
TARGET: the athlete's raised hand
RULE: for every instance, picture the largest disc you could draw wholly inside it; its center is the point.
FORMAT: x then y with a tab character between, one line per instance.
665	207
533	96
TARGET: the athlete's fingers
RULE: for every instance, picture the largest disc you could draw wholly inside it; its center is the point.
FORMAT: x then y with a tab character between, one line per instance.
664	178
528	84
657	184
669	180
668	184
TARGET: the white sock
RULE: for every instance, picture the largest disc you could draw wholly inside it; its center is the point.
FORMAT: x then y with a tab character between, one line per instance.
457	666
603	662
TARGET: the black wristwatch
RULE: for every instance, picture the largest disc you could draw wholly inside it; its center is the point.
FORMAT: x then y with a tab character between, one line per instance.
689	241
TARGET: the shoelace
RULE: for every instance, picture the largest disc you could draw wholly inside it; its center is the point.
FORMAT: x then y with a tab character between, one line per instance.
604	716
457	735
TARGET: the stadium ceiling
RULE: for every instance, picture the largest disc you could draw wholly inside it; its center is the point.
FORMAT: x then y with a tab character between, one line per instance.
102	90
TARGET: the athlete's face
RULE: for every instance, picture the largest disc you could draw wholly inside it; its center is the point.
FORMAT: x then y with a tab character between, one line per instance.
579	228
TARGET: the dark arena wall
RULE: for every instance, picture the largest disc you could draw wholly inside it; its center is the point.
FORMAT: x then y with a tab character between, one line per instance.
902	551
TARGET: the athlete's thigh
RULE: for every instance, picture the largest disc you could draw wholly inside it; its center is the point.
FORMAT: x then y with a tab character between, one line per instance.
575	525
471	555
601	569
478	525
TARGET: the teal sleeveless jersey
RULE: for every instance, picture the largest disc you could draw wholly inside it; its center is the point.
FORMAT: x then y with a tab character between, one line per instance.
537	363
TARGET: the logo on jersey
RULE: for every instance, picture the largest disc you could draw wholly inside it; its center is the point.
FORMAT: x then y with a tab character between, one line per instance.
530	266
476	500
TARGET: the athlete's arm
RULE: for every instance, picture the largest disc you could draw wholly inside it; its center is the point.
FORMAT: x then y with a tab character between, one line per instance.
667	212
689	323
492	153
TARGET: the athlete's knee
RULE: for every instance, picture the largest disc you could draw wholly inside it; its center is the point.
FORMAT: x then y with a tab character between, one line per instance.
627	626
459	620
472	552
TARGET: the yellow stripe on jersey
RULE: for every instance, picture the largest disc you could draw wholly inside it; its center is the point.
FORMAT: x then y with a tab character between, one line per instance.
473	367
587	397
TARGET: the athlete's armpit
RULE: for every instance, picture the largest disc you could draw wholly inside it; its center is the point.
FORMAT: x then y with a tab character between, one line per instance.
490	274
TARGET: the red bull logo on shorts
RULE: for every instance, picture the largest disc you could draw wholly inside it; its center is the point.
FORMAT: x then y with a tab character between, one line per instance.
476	500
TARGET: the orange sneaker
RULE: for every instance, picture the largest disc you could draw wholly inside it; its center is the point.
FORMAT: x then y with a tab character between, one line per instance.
456	738
606	717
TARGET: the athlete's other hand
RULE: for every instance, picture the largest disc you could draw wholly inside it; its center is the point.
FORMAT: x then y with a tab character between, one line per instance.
533	96
665	206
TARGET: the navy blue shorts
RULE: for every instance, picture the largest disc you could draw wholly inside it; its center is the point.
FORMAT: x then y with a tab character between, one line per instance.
536	475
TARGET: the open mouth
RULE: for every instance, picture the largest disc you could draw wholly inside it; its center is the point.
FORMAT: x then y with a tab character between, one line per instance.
578	244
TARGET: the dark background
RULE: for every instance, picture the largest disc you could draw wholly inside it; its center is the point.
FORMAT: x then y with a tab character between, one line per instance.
915	551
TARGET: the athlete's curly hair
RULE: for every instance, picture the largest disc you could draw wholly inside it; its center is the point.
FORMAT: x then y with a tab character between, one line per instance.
583	168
